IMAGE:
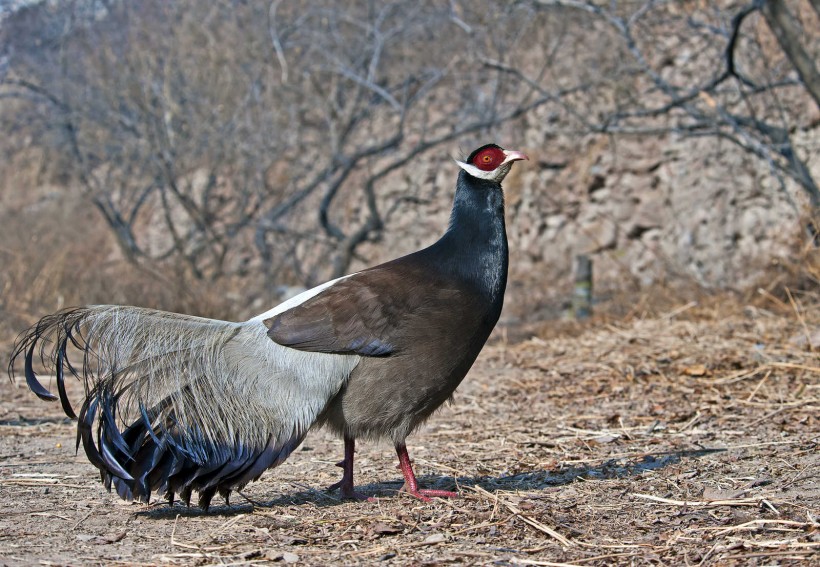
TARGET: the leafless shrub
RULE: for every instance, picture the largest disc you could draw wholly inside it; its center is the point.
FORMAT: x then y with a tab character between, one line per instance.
224	139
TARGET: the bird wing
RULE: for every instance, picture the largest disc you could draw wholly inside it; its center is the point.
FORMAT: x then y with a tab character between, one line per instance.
180	403
366	313
348	318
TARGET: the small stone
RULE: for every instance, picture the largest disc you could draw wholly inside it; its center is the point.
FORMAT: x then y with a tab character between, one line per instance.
434	538
289	557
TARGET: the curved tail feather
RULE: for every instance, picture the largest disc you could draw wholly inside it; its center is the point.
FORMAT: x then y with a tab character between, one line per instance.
175	403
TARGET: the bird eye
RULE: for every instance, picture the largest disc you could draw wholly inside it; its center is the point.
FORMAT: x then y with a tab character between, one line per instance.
488	159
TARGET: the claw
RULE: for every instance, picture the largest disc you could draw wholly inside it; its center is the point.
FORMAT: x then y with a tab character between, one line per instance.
347	493
426	494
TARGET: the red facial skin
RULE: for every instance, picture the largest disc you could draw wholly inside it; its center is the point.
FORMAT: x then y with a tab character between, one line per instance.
489	159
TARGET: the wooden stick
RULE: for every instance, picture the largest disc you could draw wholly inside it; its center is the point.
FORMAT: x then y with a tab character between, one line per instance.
704	503
532	522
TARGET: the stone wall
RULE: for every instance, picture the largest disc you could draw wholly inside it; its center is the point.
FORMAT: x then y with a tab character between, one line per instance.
652	209
665	210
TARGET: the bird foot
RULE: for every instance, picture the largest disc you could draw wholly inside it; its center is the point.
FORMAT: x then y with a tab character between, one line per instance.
426	494
358	496
345	486
348	493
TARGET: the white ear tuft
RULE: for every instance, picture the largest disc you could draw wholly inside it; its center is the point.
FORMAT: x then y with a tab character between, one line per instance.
497	174
475	172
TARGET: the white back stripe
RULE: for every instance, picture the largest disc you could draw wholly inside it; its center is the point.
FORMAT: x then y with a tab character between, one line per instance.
297	300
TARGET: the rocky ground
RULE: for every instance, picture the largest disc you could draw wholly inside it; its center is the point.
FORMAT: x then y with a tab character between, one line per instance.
687	438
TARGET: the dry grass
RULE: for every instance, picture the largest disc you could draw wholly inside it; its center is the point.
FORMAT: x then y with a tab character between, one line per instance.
689	437
57	253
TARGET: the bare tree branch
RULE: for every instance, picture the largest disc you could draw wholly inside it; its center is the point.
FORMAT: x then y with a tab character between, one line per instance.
782	23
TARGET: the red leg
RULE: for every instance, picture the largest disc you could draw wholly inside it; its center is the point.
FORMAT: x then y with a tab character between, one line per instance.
345	485
411	486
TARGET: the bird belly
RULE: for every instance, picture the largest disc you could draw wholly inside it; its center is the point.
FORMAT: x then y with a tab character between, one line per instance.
391	396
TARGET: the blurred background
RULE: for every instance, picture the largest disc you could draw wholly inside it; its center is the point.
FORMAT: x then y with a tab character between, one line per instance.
209	157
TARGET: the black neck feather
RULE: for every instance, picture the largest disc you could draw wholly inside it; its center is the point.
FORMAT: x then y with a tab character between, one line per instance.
474	248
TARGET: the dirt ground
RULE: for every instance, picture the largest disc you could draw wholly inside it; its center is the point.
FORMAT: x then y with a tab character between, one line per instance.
687	438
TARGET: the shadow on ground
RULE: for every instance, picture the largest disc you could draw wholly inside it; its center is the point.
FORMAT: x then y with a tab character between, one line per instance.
525	482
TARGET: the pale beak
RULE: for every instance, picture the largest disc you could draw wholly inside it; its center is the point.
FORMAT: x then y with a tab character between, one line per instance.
514	156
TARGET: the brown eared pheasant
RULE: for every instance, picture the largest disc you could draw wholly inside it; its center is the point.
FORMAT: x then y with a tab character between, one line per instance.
175	403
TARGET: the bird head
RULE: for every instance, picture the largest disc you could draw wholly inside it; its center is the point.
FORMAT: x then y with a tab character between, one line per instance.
490	162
